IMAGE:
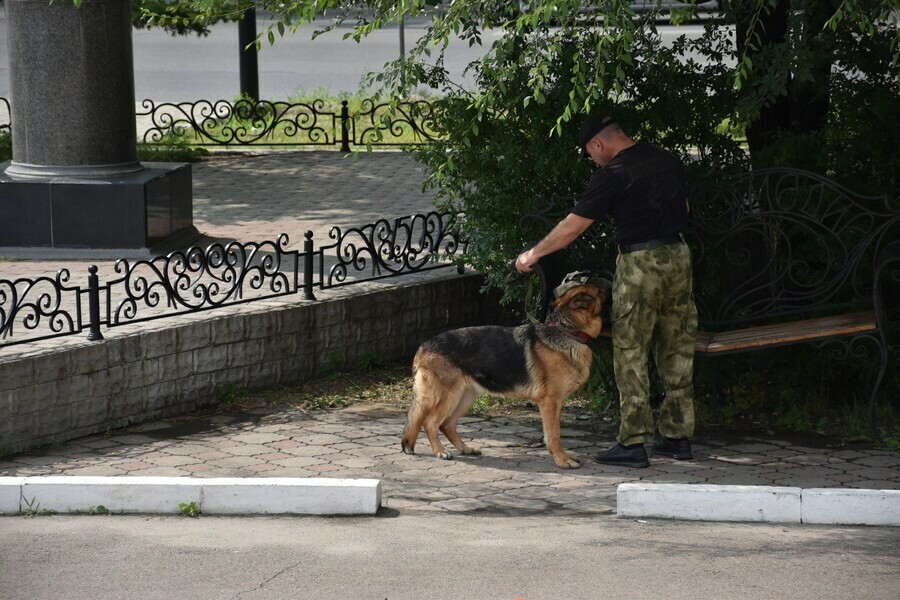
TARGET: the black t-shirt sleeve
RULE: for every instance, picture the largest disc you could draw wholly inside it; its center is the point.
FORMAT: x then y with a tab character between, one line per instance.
597	197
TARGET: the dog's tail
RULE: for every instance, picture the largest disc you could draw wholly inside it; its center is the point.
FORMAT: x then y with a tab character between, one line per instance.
415	417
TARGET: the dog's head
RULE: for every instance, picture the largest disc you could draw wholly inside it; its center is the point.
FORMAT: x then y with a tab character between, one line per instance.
579	303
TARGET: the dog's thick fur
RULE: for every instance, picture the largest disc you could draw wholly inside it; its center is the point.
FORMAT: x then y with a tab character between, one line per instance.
541	363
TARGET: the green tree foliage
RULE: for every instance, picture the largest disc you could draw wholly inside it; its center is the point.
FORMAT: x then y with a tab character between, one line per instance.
182	17
519	150
805	83
797	73
818	83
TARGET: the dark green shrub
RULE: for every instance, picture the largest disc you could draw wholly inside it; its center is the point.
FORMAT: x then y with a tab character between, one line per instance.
5	146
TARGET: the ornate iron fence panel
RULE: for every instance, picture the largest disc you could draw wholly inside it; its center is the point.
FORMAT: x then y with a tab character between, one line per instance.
240	123
198	280
41	303
278	123
201	279
375	125
248	122
390	248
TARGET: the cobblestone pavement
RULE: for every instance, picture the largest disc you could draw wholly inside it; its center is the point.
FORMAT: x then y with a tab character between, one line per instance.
515	474
251	198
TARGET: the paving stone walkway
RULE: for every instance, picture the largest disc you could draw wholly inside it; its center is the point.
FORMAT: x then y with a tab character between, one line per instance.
515	475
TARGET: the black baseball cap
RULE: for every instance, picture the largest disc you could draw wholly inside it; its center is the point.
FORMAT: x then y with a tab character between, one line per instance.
592	125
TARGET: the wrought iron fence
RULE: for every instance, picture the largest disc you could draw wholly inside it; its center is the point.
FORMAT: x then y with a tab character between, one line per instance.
47	302
201	279
315	123
198	279
390	248
266	123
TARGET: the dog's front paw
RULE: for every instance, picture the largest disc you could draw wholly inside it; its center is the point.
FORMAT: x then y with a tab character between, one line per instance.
567	461
443	454
470	451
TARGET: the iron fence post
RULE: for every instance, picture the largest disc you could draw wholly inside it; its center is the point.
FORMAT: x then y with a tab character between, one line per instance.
308	267
94	304
345	127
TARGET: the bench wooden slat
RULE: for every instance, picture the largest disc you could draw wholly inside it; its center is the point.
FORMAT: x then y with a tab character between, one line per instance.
766	336
786	333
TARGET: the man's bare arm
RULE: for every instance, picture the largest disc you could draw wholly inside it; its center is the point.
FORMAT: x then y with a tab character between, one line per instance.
565	232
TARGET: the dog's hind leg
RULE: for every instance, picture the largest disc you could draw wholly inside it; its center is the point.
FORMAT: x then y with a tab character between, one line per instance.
551	411
410	431
422	401
449	426
447	405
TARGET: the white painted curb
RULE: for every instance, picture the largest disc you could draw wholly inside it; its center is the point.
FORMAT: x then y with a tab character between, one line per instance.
830	506
835	506
61	494
163	495
710	502
10	495
292	496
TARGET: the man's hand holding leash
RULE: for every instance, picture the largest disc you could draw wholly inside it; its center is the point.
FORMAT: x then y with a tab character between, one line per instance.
566	232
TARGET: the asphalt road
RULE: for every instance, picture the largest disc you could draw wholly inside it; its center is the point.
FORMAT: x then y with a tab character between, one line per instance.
183	68
187	68
419	554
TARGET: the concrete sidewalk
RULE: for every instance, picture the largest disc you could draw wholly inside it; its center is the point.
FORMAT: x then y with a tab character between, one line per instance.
254	198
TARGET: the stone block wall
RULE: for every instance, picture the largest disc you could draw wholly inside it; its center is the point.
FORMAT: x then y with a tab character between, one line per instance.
81	388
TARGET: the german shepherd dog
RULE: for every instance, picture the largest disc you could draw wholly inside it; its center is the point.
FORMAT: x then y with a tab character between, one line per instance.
543	363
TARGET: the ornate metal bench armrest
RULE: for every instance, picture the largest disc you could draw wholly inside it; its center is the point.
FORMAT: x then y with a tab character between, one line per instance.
889	255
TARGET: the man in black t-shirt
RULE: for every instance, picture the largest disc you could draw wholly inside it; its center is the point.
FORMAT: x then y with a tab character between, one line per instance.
641	190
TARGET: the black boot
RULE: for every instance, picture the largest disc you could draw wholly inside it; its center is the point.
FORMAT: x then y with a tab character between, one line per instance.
677	449
634	456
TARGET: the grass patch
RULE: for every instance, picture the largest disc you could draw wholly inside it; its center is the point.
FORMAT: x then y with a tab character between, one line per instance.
5	145
189	509
33	509
171	148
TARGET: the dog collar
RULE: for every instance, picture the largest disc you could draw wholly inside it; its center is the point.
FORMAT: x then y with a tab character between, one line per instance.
575	335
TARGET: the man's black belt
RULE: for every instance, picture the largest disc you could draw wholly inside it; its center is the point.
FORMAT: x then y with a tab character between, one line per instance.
650	244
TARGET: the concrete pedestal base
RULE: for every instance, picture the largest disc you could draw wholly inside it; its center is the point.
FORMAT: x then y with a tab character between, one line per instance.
138	211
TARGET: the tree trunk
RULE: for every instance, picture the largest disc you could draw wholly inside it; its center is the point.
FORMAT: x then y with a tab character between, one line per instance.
805	107
811	99
757	29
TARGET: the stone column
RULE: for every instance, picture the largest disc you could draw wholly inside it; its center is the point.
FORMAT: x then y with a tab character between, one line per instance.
75	182
72	85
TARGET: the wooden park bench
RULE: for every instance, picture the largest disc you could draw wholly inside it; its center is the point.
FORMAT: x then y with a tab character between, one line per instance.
780	256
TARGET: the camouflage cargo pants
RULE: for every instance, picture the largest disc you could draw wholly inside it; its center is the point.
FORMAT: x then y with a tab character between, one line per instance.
654	312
